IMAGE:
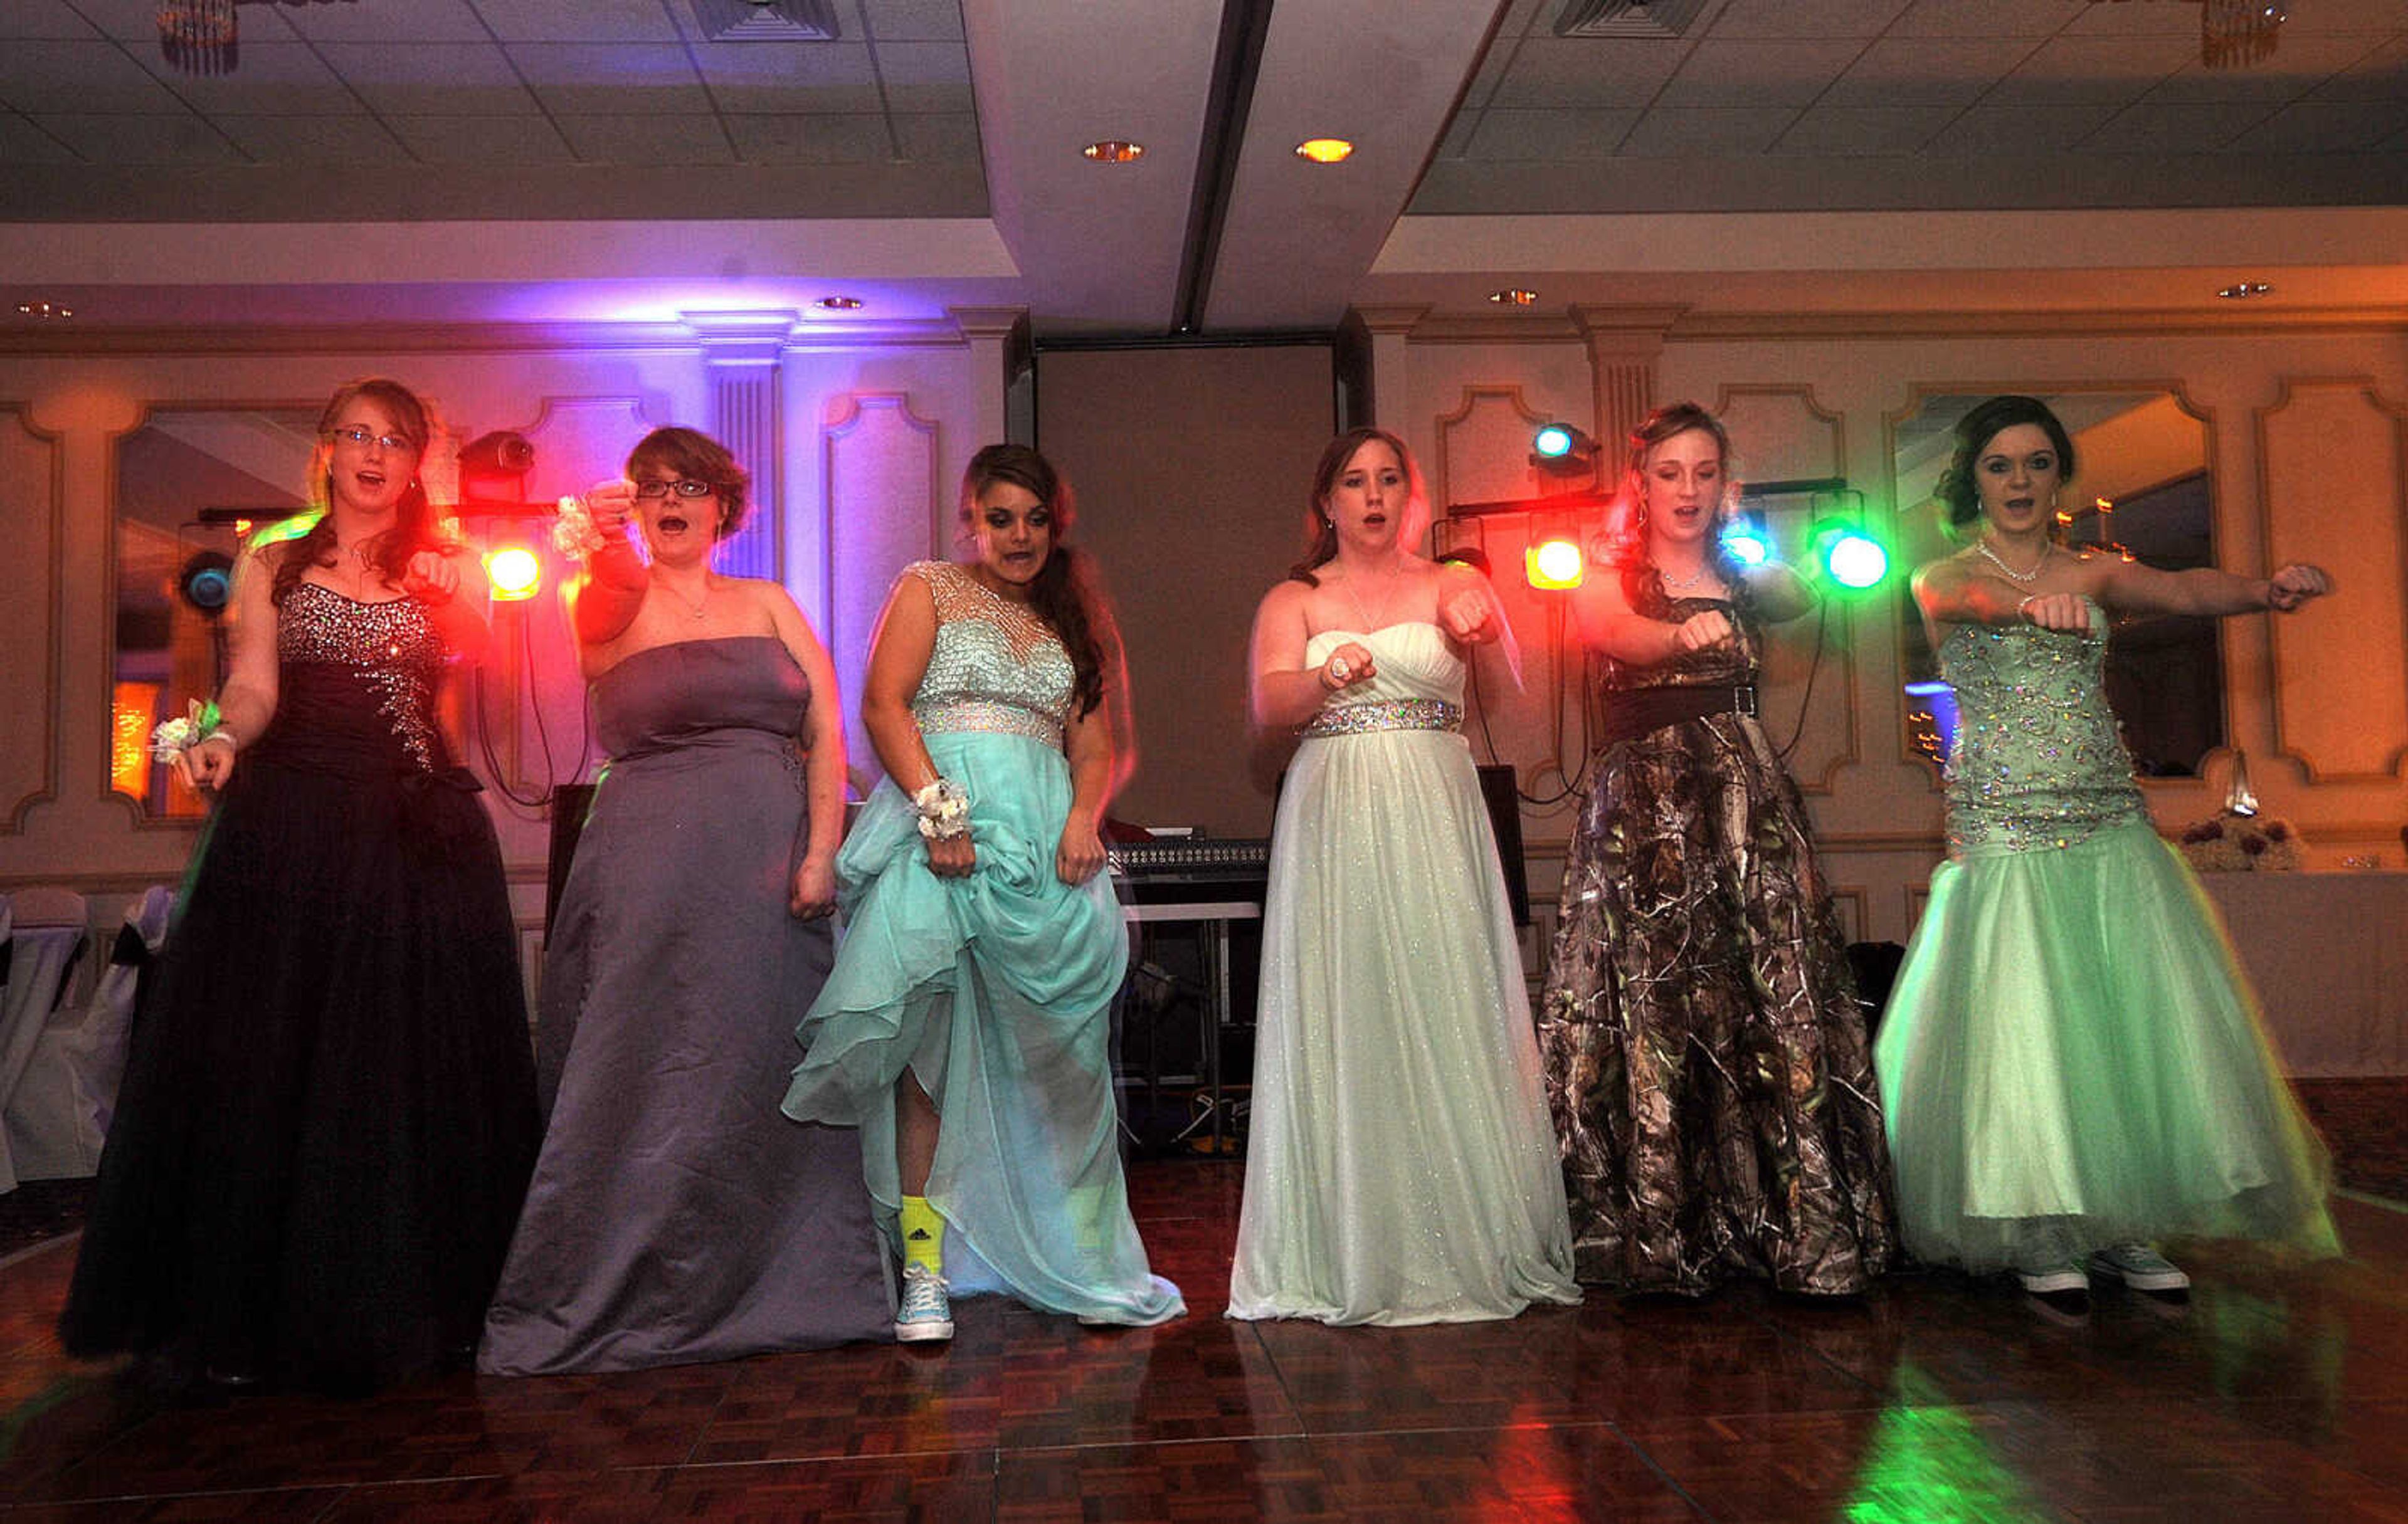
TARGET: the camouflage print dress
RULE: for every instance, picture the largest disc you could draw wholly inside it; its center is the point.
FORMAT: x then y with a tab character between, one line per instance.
1707	1063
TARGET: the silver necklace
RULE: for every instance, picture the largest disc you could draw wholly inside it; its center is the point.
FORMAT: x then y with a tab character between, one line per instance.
1983	545
1356	598
1683	582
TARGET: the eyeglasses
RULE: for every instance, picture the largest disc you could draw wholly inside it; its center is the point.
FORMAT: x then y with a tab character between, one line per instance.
684	487
360	436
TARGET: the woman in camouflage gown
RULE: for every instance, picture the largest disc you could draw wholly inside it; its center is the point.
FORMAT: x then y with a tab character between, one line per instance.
1707	1060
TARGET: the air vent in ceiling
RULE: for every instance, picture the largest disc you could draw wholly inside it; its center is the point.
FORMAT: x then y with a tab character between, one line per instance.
1626	18
766	20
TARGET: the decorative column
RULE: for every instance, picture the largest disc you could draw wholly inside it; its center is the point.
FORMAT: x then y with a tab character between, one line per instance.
1624	344
1391	330
742	353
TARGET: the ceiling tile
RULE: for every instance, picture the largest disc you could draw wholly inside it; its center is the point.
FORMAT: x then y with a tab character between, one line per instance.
185	140
939	138
2380	76
1758	74
23	143
137	20
270	79
650	138
2330	127
585	20
926	76
2298	66
914	21
1455	142
611	79
2020	130
432	79
37	77
1864	129
789	77
420	21
1707	132
770	139
2174	127
2111	71
47	19
2130	21
1987	18
1928	71
1788	18
501	142
1549	134
2345	15
314	140
1584	71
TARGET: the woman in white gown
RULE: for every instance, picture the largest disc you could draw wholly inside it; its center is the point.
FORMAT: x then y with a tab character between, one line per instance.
1399	1167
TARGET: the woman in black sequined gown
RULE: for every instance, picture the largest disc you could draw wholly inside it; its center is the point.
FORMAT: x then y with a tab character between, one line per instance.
328	1115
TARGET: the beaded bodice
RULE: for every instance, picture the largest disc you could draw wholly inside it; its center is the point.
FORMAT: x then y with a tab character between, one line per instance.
1734	663
995	665
389	648
2037	762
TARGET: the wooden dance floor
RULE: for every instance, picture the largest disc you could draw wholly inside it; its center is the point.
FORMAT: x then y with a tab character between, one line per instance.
2273	1395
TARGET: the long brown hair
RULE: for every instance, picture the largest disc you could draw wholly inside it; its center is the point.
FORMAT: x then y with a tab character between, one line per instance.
1064	593
414	520
1321	531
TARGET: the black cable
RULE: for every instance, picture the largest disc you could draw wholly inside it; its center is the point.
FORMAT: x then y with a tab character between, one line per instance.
1806	700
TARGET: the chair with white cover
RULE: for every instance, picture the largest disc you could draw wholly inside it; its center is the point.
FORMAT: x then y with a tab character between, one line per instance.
58	1115
45	937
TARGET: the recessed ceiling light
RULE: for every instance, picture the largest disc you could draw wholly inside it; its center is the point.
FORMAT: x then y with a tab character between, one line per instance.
1324	150
1115	150
43	309
2242	289
1514	296
839	304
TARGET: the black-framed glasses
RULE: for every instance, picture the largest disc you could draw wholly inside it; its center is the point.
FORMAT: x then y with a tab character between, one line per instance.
684	487
359	436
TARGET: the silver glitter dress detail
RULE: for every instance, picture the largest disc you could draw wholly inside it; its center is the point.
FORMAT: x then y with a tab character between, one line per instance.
390	643
996	666
2037	762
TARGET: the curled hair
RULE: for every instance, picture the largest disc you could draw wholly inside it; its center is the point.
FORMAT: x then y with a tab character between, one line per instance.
696	456
1956	488
1064	593
1624	546
1321	531
414	526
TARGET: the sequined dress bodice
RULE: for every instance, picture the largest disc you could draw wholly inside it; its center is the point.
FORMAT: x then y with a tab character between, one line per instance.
996	666
1734	663
356	684
2037	760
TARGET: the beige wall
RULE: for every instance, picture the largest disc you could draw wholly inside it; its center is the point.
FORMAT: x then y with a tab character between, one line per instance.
2305	431
2304	427
871	441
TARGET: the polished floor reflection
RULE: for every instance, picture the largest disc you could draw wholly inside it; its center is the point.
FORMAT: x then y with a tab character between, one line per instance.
2276	1394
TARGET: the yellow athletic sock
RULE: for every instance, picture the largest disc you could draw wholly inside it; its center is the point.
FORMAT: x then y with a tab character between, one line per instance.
924	1235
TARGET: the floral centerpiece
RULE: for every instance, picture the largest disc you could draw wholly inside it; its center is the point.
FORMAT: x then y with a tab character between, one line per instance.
2238	838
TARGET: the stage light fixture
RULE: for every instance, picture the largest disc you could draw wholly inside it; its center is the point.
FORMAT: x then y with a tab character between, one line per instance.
514	571
1555	564
1851	558
1563	450
206	581
1746	544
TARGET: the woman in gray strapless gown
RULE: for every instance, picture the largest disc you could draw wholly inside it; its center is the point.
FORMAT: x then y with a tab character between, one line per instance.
677	1215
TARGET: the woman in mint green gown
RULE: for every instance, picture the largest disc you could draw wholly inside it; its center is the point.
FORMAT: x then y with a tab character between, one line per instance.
1399	1164
967	1026
2073	1060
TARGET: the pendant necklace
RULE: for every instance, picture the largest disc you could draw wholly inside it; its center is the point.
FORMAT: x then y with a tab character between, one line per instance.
692	605
1356	598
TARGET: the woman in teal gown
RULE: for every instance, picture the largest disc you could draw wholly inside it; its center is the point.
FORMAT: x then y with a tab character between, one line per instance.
967	1026
2073	1061
1400	1166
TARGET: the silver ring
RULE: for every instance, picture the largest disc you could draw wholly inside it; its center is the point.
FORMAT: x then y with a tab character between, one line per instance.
1340	669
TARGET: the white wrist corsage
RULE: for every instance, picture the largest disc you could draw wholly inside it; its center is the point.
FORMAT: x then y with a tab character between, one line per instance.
197	723
573	533
944	810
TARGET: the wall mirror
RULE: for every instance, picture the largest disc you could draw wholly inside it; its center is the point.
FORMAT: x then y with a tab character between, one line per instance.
2142	491
190	482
